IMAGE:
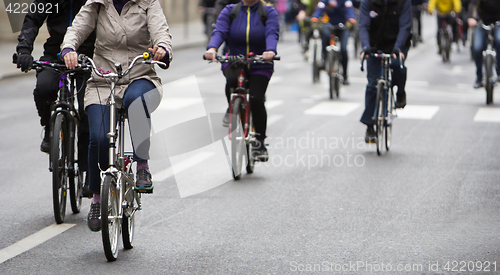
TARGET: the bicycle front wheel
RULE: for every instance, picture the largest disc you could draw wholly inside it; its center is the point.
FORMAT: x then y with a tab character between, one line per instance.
238	147
379	117
331	73
128	224
490	82
110	217
250	145
316	61
59	164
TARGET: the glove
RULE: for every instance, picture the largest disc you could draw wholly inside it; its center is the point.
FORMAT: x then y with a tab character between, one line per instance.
366	51
25	62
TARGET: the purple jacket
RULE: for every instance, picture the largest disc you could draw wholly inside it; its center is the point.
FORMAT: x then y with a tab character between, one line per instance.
243	39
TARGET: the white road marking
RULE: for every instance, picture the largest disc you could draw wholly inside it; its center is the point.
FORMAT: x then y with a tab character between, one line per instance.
186	164
417	112
273	103
273	119
487	115
33	240
332	108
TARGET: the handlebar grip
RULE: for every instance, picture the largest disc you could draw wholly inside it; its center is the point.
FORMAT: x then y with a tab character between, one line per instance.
277	58
14	58
204	58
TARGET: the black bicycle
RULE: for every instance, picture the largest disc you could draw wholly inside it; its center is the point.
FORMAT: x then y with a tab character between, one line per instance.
489	60
384	113
334	58
241	129
66	176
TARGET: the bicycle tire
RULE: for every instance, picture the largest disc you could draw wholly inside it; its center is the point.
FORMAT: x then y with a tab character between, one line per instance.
490	82
110	217
237	138
76	191
59	160
379	117
315	62
76	180
250	157
338	75
414	38
128	217
390	120
331	72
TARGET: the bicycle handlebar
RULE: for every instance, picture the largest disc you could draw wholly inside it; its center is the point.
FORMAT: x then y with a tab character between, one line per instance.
481	24
242	58
380	55
53	65
146	56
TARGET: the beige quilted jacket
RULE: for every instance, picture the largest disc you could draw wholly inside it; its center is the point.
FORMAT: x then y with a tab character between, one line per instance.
120	38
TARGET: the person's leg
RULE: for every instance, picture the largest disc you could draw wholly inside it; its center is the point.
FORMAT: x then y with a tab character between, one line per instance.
439	25
140	100
231	82
98	118
257	85
325	42
45	92
399	78
496	33
373	72
477	52
344	38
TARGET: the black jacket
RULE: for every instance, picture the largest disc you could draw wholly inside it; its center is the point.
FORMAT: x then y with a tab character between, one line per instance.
487	10
57	23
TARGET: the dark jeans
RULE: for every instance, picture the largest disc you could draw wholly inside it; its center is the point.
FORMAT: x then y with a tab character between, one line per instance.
374	68
450	20
45	93
343	36
257	85
480	36
138	113
417	14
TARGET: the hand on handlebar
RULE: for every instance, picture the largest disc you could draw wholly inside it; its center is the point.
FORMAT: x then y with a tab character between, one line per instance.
157	52
268	55
211	54
472	22
25	62
396	53
71	60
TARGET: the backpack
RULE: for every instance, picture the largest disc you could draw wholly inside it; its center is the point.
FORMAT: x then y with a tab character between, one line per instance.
261	10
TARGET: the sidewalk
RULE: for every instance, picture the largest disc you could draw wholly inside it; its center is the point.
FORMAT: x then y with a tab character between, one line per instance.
182	38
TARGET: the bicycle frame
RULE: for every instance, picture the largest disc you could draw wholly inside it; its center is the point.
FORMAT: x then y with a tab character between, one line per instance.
385	79
241	91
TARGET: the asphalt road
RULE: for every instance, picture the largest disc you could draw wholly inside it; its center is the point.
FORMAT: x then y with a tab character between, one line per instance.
325	202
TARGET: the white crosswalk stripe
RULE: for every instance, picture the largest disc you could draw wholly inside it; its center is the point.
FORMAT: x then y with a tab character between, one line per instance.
332	108
485	114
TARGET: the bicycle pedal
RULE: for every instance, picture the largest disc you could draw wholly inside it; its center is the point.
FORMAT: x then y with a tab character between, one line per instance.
143	190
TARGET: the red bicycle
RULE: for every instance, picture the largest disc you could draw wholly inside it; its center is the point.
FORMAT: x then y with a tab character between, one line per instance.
241	128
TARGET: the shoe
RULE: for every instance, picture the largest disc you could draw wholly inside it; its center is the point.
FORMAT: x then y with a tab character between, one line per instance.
345	81
370	135
322	65
478	84
86	193
94	217
260	152
45	146
144	182
225	119
400	100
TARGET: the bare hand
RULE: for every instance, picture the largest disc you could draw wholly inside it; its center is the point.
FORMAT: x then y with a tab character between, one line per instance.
402	56
71	60
268	55
472	22
211	54
157	52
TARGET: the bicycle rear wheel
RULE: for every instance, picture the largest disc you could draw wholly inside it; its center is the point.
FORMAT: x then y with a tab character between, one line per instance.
379	117
490	82
331	73
59	162
110	217
76	179
389	119
250	145
316	61
238	147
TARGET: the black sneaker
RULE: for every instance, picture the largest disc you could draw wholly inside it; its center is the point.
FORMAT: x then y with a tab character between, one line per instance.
260	152
478	84
86	193
94	217
345	81
45	146
370	136
225	119
144	181
400	100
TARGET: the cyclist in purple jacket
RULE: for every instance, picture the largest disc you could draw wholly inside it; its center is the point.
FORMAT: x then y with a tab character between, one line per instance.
242	38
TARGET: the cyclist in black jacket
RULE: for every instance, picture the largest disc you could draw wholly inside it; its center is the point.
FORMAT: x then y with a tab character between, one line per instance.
47	83
384	26
487	11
